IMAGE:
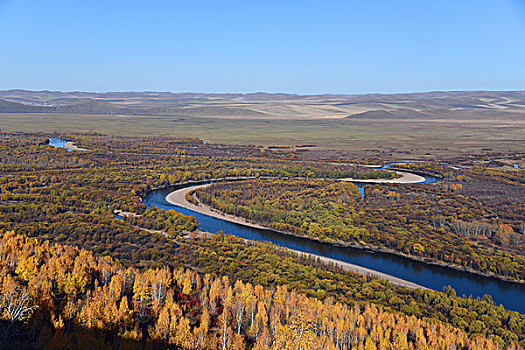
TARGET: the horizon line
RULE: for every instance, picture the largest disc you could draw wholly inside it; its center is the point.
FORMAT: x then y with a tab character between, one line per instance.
264	92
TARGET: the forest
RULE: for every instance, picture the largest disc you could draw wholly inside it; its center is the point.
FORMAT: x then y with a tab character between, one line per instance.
269	265
457	221
69	298
86	265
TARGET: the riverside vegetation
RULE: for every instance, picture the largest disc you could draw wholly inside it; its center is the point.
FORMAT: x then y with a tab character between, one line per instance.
453	222
77	277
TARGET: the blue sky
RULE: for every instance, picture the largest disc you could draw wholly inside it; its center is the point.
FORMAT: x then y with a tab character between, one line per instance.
273	46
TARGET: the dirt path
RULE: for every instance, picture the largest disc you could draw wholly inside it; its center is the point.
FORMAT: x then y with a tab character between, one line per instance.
178	197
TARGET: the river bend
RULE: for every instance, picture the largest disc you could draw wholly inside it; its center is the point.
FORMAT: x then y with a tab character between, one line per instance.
510	294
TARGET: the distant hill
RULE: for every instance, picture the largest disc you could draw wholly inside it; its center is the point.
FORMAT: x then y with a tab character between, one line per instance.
87	106
92	107
15	107
260	105
396	114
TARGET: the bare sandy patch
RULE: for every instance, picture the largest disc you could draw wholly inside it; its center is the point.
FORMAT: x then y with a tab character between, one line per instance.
71	145
178	197
406	178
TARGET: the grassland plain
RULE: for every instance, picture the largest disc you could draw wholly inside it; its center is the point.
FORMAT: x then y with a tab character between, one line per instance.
387	126
417	138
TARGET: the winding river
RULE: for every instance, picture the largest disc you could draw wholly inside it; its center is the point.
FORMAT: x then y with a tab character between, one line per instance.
509	294
425	179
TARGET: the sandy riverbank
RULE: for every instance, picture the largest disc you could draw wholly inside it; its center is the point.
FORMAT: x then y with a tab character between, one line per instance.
71	145
363	271
406	178
178	197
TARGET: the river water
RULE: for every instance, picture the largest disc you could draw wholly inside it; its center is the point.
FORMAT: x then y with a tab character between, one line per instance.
510	294
361	185
58	143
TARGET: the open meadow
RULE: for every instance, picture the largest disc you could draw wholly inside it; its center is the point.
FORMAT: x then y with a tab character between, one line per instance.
425	126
